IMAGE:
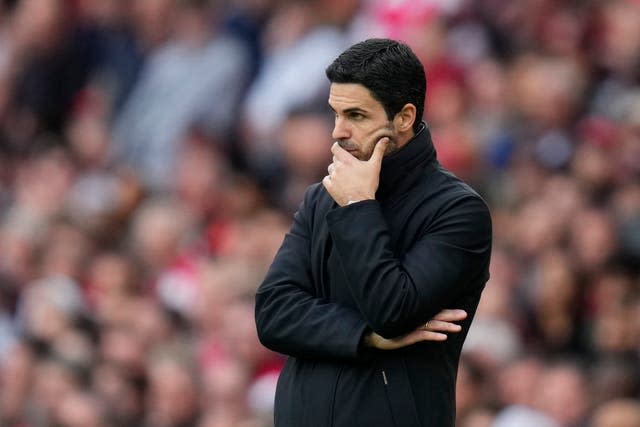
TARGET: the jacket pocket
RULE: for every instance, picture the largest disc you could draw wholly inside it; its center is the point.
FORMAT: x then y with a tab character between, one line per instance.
393	373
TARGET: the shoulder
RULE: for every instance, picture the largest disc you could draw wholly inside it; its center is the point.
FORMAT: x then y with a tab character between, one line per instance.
449	200
314	194
449	188
315	203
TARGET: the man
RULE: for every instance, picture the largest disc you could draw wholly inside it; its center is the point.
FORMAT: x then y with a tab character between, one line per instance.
386	243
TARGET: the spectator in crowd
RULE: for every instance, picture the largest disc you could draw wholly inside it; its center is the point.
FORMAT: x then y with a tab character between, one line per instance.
618	413
316	32
180	85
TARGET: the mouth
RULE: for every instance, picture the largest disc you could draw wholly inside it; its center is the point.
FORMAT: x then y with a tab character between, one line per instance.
353	152
347	147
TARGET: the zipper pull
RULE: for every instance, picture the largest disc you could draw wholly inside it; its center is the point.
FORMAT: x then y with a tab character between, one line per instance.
384	377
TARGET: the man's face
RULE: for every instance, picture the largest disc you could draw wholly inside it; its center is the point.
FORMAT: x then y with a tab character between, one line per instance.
360	120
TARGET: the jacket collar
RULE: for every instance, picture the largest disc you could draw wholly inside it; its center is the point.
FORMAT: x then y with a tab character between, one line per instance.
402	169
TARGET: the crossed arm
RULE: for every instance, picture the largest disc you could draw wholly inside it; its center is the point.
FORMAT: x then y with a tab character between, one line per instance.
292	318
435	329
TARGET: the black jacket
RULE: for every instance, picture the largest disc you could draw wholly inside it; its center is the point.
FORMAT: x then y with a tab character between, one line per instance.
386	265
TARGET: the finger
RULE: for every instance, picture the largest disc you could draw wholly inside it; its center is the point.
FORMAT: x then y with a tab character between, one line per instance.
432	336
441	326
326	181
340	153
379	150
418	336
330	168
451	315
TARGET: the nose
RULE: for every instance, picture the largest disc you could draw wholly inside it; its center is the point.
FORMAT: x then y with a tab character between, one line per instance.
340	129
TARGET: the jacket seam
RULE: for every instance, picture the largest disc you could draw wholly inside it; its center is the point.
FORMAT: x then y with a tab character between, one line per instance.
333	397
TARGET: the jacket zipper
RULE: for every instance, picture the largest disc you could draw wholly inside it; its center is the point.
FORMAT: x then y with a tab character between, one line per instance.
384	377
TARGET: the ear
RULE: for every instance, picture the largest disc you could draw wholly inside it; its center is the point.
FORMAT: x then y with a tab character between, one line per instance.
405	118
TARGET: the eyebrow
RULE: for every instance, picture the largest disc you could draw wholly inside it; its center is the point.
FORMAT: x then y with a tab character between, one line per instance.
350	110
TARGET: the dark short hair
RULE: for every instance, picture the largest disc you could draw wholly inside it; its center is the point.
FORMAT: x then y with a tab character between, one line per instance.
389	69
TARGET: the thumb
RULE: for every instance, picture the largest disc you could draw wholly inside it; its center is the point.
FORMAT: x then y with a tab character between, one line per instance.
379	150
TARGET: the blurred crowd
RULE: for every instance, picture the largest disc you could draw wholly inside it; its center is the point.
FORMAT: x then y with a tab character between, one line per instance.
152	153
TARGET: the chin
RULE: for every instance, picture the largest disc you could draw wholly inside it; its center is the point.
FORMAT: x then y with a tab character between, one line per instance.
355	153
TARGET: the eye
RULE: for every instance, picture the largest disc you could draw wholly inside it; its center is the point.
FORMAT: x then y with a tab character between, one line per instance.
356	116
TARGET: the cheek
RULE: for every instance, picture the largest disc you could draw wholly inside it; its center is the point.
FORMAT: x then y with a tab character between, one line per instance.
367	148
367	133
360	134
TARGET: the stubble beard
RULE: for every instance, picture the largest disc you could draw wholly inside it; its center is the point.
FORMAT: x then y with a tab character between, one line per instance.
386	131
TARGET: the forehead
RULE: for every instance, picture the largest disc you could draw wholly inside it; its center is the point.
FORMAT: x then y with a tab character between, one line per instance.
351	95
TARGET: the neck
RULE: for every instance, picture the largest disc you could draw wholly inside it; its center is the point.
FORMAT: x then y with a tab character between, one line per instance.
403	167
405	137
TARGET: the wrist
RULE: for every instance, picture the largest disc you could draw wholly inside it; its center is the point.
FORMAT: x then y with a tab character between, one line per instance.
353	200
367	340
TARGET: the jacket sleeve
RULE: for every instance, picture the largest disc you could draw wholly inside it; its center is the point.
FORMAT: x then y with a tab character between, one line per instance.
290	318
397	295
